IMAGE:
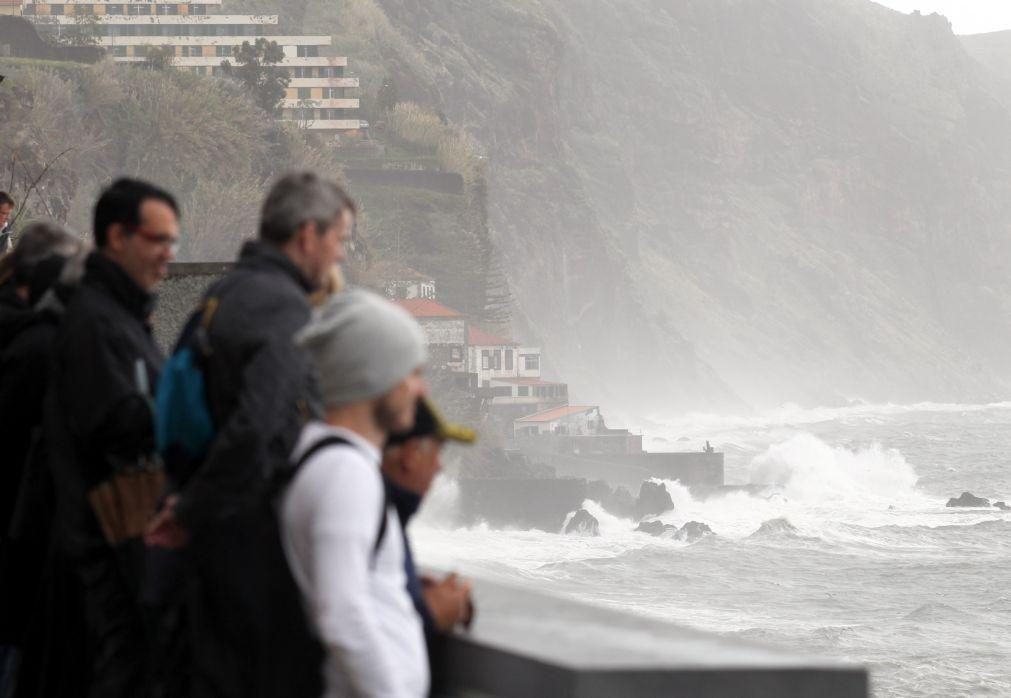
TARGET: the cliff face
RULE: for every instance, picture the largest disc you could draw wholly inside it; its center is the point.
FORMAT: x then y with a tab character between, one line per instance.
713	200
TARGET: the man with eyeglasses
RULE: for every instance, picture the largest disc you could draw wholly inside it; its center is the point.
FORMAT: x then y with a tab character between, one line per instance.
100	425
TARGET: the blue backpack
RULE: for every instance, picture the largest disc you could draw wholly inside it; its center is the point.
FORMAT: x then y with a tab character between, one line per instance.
184	428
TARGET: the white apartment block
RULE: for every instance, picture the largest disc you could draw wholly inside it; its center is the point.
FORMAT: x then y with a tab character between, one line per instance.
321	96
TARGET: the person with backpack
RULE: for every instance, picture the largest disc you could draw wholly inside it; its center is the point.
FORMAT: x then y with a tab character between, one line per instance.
256	389
338	528
99	427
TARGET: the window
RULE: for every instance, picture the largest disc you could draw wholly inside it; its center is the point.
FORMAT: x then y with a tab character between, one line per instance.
497	360
84	10
223	51
56	9
308	51
335	93
509	359
119	51
135	9
304	92
167	9
114	10
532	362
523	391
456	353
217	71
198	9
485	360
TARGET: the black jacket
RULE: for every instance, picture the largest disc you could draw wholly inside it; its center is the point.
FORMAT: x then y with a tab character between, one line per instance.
105	371
246	625
19	409
260	386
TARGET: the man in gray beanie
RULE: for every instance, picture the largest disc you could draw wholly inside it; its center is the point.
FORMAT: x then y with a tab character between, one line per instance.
369	355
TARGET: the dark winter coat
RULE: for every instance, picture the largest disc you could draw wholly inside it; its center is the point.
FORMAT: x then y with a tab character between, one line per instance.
260	387
246	621
18	409
99	421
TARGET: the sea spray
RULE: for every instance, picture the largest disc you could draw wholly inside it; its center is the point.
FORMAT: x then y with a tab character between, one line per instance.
811	471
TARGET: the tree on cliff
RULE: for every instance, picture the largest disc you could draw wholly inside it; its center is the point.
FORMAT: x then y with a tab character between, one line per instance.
257	66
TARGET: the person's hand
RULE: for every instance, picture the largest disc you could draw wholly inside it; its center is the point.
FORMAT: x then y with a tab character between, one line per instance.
448	601
165	531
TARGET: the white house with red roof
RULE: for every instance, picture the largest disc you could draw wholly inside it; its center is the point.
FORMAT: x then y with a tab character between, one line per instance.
401	281
567	420
492	357
445	332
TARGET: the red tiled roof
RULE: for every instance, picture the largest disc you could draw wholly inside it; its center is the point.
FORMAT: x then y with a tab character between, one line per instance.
422	307
556	413
476	337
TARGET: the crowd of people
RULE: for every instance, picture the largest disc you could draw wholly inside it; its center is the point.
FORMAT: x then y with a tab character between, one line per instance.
230	520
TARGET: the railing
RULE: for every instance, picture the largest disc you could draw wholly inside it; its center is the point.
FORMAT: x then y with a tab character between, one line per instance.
526	644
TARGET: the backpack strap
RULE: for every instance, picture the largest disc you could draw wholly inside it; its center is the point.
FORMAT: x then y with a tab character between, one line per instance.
327	442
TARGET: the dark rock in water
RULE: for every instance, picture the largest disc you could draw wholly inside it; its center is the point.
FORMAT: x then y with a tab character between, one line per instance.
774	527
653	528
583	523
968	500
653	499
693	531
1002	506
617	500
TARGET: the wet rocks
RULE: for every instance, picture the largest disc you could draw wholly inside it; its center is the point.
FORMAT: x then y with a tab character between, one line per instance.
967	499
1002	506
693	531
583	523
654	499
655	528
775	527
617	500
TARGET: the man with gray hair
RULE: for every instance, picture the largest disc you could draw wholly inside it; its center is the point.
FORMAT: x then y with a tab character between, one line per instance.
335	517
260	392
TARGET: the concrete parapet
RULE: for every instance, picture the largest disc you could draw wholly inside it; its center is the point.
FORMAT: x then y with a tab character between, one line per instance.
527	644
179	296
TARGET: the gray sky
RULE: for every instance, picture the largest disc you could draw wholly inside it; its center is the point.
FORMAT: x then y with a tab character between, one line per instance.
967	16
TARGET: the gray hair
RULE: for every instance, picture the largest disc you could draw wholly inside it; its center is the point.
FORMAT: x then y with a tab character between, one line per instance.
298	198
39	241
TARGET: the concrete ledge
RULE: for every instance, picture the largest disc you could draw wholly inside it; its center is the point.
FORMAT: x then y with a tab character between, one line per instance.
527	644
177	269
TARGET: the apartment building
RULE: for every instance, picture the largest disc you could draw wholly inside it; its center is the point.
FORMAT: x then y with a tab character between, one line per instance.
321	95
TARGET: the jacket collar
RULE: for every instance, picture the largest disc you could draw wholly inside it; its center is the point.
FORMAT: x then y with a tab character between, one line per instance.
257	254
102	273
404	501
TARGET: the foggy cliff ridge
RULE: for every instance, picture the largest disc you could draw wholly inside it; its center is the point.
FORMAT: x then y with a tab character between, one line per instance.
716	203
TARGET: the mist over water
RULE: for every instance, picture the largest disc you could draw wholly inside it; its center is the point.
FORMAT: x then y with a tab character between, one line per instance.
863	561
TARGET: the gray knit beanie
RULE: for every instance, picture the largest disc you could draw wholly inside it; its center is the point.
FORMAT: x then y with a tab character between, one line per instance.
362	345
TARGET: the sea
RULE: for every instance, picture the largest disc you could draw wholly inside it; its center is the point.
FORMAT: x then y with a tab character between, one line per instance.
865	564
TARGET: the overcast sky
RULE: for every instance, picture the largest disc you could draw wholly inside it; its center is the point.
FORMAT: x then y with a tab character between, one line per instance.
967	16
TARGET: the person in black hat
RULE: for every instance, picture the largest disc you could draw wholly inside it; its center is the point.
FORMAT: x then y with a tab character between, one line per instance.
411	460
